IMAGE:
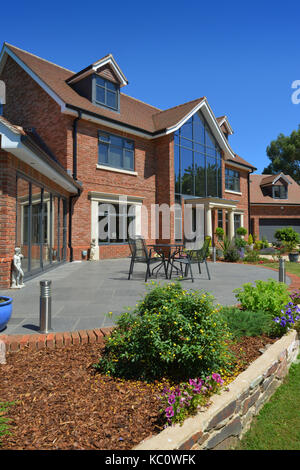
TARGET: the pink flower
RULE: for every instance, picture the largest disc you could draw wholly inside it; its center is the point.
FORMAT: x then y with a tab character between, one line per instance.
169	412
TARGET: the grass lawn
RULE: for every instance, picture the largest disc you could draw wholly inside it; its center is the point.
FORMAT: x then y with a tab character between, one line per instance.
293	268
277	427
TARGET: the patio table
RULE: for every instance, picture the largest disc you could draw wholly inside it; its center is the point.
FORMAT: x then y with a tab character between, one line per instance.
161	248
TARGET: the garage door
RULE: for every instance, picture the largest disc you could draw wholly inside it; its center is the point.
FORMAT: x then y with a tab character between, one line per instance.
268	227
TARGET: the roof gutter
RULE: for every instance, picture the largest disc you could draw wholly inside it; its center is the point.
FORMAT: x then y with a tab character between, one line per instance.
112	122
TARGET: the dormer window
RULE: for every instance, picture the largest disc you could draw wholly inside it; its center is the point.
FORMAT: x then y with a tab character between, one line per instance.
106	93
100	83
280	191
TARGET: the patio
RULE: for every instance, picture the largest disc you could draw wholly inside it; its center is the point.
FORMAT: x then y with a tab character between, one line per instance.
84	293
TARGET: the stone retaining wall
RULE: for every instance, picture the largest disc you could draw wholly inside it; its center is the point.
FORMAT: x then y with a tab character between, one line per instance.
230	414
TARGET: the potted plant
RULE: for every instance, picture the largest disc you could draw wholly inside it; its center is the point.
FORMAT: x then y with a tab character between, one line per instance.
250	242
5	310
240	244
290	239
241	231
293	253
220	235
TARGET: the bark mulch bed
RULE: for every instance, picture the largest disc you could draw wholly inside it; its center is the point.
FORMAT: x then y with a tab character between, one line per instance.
60	402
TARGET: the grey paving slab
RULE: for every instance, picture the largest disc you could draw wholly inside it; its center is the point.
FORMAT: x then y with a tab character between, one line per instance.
83	293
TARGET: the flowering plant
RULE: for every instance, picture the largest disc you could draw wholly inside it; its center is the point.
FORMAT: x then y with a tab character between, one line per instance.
184	400
295	296
290	317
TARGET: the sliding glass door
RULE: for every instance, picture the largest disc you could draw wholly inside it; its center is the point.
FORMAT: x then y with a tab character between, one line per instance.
41	226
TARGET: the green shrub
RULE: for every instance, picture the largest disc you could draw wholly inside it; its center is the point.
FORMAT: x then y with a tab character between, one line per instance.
240	242
171	333
241	231
251	256
268	296
220	233
287	234
247	323
250	239
232	255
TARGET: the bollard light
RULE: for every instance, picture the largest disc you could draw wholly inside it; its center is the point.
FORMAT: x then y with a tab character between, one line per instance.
45	306
281	274
214	254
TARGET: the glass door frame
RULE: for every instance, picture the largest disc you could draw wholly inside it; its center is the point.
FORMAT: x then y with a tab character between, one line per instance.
62	206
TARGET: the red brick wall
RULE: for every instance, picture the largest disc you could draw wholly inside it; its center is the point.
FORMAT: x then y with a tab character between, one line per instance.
28	105
165	178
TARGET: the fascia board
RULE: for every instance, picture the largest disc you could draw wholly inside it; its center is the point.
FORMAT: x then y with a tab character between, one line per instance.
11	142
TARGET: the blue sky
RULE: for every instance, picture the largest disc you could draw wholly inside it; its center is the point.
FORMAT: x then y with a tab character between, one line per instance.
243	58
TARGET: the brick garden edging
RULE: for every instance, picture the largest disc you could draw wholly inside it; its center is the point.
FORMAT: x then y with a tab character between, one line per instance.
230	414
35	342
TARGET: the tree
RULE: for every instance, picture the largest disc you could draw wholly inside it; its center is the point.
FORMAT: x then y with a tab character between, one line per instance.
284	153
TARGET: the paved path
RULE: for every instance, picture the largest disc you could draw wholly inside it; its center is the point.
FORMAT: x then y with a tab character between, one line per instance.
83	293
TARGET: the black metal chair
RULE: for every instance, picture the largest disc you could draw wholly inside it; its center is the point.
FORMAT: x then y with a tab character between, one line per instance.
190	257
140	254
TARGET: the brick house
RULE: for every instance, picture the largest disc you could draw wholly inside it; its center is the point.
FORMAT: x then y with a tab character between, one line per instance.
78	156
275	204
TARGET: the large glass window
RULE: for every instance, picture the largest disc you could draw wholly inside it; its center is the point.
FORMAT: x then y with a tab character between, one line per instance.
197	160
115	151
107	93
232	180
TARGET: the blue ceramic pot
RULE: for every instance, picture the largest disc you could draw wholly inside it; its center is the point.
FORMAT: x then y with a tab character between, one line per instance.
5	311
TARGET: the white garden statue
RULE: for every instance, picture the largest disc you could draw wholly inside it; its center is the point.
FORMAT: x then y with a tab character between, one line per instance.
93	250
17	271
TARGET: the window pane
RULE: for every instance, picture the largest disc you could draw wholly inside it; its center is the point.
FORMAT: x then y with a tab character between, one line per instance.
55	229
186	143
187	174
111	86
209	140
115	157
219	183
100	94
211	177
103	153
200	175
103	137
111	99
128	144
177	169
100	81
211	151
128	160
36	228
198	129
117	141
46	229
187	129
